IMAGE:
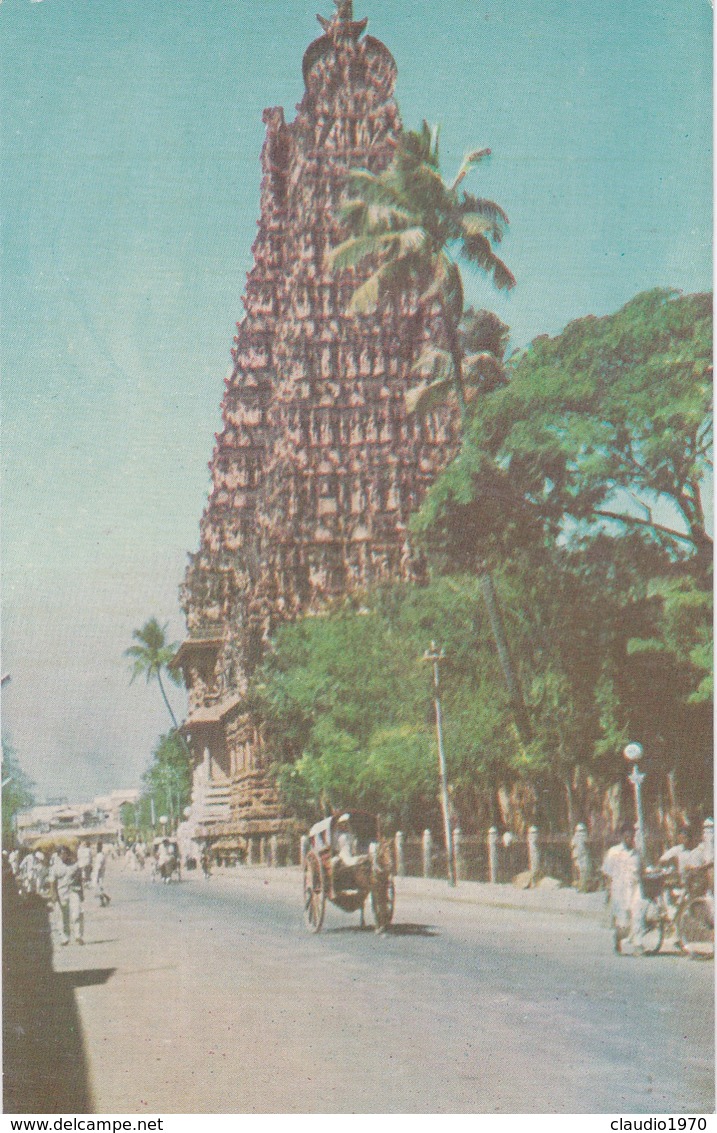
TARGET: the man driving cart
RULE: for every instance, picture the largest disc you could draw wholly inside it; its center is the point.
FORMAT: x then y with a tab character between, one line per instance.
348	870
335	872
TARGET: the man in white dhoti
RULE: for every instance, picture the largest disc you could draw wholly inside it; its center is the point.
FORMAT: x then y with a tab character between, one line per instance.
623	869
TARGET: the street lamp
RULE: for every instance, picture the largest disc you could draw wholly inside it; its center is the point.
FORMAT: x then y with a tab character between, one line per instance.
435	657
633	754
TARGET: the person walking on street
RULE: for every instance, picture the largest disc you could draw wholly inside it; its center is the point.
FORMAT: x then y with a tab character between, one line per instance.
67	892
40	874
84	861
25	874
98	875
623	869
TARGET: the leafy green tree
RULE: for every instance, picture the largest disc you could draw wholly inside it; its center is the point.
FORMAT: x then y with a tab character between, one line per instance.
607	427
409	224
348	709
168	781
588	464
151	657
17	791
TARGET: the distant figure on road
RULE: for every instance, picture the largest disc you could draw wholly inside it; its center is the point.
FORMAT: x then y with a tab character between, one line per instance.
98	874
84	861
206	861
623	869
66	890
25	873
40	874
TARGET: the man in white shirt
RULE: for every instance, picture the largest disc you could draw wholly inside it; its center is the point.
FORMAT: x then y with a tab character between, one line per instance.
98	874
84	861
345	863
66	887
623	869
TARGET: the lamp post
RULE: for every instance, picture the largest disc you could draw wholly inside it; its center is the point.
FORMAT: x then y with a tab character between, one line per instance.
633	754
435	657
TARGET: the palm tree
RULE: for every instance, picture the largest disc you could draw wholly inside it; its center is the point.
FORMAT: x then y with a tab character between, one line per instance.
410	224
151	657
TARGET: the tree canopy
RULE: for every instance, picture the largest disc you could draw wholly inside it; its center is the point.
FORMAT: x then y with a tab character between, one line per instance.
409	225
167	781
17	790
579	485
151	657
606	427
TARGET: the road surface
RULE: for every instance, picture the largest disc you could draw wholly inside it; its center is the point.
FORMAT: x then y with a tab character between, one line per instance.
209	996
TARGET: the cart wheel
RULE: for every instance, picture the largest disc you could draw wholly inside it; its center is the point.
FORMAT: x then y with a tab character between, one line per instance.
314	892
654	929
383	898
696	929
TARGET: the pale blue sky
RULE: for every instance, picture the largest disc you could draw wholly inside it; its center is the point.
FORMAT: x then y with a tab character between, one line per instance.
130	185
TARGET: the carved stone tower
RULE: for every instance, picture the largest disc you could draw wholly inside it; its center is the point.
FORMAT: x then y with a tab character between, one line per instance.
317	467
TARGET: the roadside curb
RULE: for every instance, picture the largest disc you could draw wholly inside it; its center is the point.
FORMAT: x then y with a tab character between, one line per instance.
560	902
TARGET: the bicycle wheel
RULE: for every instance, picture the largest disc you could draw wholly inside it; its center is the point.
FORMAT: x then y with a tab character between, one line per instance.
696	928
654	929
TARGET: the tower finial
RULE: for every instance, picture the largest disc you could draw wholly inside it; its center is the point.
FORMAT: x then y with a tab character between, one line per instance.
344	9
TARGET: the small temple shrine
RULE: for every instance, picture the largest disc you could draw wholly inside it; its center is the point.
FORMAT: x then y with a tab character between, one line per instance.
317	467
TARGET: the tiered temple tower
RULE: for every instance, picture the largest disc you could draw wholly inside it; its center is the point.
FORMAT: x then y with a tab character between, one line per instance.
317	467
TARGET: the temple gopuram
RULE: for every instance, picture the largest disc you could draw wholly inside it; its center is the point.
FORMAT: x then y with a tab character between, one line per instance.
317	467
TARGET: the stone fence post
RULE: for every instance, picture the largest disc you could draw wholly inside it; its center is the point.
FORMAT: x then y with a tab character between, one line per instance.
303	848
533	853
458	853
427	853
250	850
400	859
493	855
274	851
581	857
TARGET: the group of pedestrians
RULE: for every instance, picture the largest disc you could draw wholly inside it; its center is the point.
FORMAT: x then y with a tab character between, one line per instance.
623	870
136	855
61	878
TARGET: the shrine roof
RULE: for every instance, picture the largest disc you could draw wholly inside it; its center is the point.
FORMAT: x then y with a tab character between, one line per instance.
212	714
194	645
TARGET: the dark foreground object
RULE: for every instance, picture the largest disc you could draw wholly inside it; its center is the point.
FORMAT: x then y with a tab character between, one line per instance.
44	1068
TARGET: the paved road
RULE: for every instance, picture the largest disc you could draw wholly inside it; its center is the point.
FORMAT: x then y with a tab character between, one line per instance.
210	997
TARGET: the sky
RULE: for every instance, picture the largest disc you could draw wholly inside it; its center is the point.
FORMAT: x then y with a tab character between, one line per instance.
129	188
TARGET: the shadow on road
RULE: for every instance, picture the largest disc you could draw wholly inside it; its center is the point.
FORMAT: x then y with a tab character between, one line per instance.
412	930
89	977
44	1064
392	930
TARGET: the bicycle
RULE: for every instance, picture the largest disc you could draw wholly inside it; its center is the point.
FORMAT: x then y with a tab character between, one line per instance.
685	908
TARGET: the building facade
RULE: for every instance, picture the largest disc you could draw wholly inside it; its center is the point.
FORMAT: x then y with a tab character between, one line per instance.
317	467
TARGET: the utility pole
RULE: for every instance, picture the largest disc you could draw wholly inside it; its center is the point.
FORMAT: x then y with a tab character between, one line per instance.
435	657
633	754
